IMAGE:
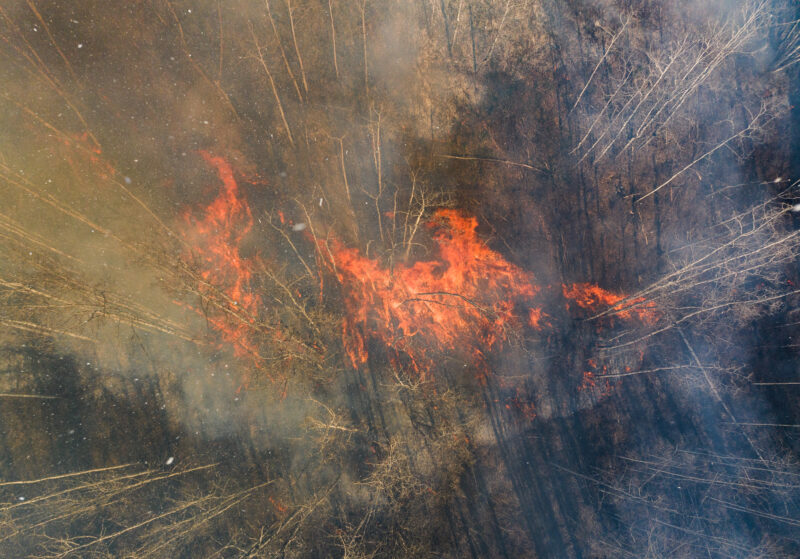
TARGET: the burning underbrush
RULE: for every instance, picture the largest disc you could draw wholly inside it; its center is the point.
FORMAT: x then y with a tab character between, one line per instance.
308	279
225	274
469	299
465	300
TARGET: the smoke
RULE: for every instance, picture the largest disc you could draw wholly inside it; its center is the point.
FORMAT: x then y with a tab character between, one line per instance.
225	209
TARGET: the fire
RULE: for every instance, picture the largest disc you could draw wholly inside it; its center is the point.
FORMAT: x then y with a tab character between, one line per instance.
594	298
218	234
467	298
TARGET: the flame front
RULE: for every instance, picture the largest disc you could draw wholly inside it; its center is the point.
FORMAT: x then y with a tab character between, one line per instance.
466	299
226	275
595	298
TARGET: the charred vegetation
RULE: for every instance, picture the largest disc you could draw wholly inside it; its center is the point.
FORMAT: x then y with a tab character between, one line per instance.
446	278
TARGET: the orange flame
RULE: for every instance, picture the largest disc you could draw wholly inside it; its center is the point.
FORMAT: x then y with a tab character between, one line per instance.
219	233
465	299
594	298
